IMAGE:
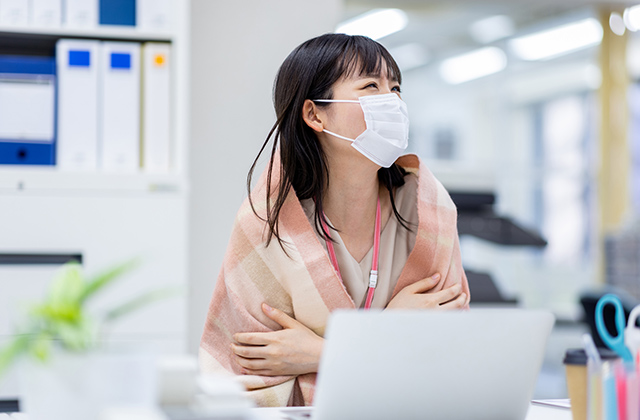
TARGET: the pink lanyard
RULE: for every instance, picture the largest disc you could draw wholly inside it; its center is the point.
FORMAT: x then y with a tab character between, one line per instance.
373	276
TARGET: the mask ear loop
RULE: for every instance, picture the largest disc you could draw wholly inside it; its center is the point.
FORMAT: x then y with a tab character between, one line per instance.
338	135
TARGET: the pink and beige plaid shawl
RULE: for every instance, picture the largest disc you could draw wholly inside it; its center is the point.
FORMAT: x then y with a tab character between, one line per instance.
304	284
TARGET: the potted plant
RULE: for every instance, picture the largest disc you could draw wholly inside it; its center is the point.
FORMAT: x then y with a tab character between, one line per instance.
66	372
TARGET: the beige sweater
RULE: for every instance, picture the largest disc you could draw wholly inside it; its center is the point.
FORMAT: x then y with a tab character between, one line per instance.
396	244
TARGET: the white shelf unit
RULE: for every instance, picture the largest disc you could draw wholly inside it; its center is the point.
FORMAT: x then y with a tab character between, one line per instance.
108	218
110	32
24	177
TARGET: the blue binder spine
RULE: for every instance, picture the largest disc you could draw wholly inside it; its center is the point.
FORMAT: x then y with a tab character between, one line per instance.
16	151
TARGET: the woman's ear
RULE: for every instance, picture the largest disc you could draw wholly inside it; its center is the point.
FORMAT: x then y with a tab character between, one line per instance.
311	117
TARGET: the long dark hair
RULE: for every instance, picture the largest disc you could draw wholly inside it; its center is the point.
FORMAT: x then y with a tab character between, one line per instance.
309	72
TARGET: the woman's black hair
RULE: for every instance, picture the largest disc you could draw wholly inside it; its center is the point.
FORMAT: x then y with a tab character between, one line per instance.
309	72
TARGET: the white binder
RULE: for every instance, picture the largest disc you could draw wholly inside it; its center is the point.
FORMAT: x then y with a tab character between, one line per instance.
80	13
156	107
154	15
45	13
120	109
77	65
14	12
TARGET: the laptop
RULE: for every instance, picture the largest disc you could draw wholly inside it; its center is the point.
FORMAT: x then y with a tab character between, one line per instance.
479	364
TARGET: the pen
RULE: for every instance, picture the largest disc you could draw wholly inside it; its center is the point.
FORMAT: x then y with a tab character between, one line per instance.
633	394
621	390
610	400
594	385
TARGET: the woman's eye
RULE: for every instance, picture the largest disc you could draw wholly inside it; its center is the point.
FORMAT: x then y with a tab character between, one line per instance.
371	85
396	89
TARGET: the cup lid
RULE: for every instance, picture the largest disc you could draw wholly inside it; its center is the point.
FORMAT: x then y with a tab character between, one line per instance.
579	356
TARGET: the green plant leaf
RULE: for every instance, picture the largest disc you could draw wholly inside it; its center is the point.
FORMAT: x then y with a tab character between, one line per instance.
18	346
41	347
103	279
141	301
66	289
74	336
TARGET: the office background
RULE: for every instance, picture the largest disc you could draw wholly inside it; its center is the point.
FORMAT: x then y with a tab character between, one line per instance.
533	132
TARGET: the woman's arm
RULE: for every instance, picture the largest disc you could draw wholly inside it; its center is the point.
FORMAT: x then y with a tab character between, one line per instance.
419	296
296	350
293	350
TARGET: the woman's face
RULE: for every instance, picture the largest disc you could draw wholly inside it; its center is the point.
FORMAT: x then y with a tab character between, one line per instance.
347	119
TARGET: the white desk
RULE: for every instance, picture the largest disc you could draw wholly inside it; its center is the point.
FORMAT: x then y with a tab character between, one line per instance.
536	412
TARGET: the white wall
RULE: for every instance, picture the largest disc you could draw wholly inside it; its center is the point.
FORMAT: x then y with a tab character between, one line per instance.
237	48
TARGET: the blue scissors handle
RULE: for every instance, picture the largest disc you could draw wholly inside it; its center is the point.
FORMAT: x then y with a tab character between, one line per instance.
614	343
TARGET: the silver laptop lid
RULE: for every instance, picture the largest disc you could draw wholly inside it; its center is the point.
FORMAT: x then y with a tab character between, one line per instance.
479	364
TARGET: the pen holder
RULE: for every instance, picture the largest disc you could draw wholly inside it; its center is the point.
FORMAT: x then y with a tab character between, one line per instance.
575	362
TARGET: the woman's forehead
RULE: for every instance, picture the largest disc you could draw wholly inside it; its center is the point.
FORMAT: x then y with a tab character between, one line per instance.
357	66
359	69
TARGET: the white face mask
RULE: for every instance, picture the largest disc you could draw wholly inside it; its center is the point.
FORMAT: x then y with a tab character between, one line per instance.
387	134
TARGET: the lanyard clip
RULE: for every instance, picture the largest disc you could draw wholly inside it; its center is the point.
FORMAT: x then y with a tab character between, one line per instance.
373	279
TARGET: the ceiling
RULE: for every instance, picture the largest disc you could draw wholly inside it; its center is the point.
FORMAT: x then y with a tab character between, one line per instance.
441	26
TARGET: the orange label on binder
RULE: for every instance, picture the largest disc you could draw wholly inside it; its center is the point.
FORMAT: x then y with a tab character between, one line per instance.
159	60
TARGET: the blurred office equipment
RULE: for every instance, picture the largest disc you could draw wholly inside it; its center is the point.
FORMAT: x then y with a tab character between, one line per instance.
118	12
153	15
120	107
476	217
589	300
156	108
78	98
27	110
622	256
34	269
80	13
50	215
45	13
14	12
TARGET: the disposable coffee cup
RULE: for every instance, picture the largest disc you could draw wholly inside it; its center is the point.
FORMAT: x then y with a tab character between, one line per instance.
575	362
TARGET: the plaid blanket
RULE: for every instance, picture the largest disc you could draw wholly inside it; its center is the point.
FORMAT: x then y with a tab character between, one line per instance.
304	283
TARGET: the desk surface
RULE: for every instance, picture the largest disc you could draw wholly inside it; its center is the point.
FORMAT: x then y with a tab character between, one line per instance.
536	412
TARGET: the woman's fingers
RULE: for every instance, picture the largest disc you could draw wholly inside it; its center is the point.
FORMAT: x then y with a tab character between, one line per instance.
280	317
253	364
250	352
448	294
457	303
253	339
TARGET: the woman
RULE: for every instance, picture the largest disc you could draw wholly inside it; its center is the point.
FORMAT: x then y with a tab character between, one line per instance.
347	224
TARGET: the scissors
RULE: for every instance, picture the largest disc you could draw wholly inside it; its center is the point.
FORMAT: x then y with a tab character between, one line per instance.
627	339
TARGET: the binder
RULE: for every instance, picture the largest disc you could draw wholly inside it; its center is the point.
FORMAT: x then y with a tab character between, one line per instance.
154	15
77	66
14	12
27	110
118	12
45	13
156	107
80	13
119	121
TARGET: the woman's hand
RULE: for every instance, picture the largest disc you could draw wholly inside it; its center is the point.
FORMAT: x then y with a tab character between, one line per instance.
294	350
416	296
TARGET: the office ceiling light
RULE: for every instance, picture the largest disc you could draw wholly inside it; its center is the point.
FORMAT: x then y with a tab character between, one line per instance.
375	24
491	29
473	65
410	56
631	18
558	41
616	23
